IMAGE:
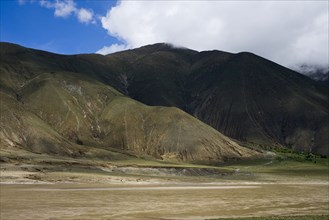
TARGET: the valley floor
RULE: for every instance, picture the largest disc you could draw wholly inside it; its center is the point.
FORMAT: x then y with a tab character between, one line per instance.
45	187
161	201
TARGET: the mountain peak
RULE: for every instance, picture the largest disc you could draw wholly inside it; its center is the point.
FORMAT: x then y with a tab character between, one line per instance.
163	47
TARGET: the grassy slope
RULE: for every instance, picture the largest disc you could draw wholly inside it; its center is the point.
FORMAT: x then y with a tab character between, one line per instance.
243	96
96	115
72	111
268	104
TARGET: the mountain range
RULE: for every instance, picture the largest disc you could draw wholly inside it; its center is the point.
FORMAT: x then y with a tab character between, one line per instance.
160	101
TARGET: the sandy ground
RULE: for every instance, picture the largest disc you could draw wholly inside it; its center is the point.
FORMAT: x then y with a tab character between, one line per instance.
81	201
35	174
33	192
13	174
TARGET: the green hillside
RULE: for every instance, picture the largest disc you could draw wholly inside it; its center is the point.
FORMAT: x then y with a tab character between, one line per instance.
71	114
243	96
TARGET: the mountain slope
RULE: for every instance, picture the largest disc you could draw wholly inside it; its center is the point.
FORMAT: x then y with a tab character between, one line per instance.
69	113
241	95
252	99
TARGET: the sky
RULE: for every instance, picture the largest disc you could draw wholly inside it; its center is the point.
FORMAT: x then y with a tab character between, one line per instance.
290	33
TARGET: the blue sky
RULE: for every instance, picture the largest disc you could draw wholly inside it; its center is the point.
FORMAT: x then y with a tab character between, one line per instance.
291	33
30	25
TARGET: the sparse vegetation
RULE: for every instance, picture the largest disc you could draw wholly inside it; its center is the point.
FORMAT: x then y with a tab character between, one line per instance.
216	87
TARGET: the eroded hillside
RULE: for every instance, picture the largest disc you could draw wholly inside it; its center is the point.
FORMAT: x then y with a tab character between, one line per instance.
244	96
66	113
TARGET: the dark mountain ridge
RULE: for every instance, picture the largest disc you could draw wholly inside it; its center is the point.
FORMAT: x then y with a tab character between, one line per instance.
63	105
242	95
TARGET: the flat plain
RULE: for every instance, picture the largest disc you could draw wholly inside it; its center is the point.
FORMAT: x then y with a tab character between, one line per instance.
164	201
152	190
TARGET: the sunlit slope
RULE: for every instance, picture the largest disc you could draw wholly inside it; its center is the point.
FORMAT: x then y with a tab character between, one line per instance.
244	96
23	129
167	133
65	113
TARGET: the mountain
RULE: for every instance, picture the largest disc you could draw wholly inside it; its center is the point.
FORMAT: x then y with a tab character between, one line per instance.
243	96
315	72
63	105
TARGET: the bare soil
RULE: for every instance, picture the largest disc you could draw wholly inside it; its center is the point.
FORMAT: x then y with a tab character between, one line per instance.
99	191
165	201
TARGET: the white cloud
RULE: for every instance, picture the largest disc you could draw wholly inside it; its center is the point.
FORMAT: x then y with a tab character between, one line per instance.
85	15
113	48
65	8
288	32
62	8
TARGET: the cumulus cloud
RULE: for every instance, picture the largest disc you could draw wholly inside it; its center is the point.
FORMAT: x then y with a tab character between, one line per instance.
85	15
288	32
65	8
113	48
